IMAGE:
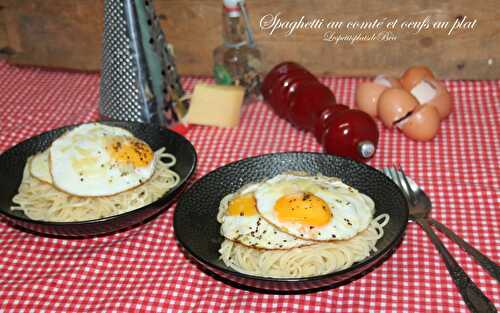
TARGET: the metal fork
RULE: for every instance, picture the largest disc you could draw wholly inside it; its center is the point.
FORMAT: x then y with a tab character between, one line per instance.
423	200
420	206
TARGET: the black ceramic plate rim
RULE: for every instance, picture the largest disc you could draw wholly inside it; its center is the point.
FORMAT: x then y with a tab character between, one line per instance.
160	201
355	266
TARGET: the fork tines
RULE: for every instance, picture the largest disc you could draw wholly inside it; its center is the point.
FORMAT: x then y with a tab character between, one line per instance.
399	178
407	186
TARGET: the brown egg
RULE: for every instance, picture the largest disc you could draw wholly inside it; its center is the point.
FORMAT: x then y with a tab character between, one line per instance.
422	124
394	104
387	81
432	92
368	93
412	76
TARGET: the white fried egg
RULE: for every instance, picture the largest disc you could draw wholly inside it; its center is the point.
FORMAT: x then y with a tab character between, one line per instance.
315	208
99	160
242	223
39	167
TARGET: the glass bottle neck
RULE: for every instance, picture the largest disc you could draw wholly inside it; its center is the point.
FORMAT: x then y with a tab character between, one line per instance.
234	33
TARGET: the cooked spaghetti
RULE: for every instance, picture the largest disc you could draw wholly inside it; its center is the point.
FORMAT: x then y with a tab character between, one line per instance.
42	201
317	259
297	225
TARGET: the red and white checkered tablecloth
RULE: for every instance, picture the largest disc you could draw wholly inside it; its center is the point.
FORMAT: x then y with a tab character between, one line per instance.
142	269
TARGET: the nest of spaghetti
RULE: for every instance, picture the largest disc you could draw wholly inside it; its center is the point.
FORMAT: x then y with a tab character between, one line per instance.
297	225
91	172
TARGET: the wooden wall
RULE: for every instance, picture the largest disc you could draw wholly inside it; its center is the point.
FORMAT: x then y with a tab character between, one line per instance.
67	34
3	33
54	33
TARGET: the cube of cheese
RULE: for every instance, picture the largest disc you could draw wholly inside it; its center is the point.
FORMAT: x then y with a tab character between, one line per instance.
216	105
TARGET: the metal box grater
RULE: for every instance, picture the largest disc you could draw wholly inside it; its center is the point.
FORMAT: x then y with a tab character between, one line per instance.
139	80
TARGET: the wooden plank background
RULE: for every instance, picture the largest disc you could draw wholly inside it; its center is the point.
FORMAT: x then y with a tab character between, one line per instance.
4	43
67	34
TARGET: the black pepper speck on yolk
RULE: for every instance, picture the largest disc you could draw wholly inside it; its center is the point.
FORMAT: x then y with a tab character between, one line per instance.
130	151
303	208
244	205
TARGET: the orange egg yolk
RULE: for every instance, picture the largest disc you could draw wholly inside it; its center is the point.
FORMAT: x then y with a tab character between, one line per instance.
130	151
244	205
303	208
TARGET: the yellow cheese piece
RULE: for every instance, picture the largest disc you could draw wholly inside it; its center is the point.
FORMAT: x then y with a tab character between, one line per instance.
215	105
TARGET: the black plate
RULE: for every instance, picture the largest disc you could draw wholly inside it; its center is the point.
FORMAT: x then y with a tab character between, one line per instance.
197	229
11	171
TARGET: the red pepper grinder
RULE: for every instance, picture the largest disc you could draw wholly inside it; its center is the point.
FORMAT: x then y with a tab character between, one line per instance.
351	133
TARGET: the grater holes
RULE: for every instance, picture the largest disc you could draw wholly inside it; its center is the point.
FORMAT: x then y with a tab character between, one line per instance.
119	92
167	99
121	96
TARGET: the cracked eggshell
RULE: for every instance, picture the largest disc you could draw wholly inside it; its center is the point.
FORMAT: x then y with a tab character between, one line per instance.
387	81
422	124
368	93
433	92
394	104
414	75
